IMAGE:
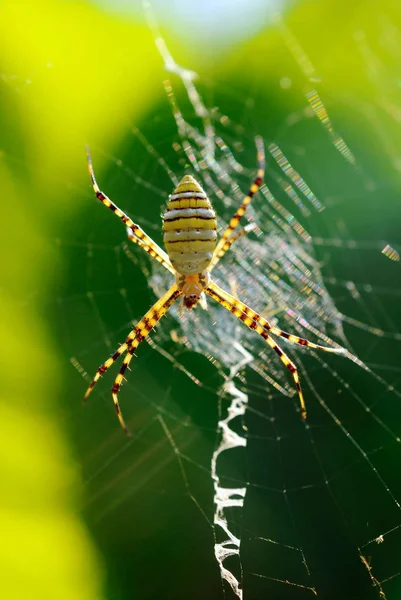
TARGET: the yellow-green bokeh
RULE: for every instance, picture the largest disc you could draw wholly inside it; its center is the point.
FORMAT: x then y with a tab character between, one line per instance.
61	88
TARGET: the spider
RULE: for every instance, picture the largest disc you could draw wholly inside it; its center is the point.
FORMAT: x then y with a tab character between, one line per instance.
190	238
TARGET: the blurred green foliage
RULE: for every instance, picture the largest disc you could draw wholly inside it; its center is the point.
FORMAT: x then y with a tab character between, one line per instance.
59	85
71	75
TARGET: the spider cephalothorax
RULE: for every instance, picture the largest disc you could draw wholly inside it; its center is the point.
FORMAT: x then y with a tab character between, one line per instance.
193	288
190	237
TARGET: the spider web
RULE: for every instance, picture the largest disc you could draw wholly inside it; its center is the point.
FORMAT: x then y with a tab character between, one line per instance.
224	491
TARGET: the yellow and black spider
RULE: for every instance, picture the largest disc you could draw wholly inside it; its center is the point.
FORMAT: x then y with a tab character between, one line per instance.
190	237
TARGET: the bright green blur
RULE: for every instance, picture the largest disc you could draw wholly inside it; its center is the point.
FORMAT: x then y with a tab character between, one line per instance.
67	71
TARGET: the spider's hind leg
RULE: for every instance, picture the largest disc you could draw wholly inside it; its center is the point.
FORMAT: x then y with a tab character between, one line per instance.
141	238
227	245
160	256
222	245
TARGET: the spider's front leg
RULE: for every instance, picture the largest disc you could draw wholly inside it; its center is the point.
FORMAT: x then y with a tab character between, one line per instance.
135	337
257	323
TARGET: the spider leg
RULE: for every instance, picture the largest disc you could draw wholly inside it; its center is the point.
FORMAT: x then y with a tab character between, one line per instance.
148	243
227	245
254	321
262	323
136	336
105	366
247	200
161	259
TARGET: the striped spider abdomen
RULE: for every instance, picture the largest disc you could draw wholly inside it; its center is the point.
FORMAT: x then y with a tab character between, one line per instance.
189	227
